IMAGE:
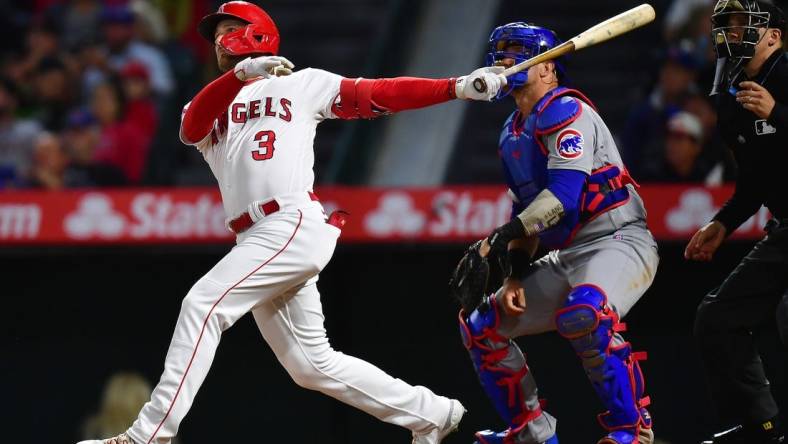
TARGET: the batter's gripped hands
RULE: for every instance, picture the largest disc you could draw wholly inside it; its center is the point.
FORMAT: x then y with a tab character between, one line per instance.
263	66
705	242
490	76
754	97
513	297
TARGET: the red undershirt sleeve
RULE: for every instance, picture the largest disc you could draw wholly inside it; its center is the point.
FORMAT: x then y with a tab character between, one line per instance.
370	98
208	105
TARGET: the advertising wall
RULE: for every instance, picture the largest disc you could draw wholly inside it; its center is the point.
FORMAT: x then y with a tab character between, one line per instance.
195	215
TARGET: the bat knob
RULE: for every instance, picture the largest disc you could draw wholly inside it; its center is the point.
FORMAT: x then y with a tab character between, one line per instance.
480	85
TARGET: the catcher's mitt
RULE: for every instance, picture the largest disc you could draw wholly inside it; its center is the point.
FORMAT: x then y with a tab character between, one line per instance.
468	283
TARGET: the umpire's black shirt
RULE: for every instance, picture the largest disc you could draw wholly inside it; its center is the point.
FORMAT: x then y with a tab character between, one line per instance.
760	147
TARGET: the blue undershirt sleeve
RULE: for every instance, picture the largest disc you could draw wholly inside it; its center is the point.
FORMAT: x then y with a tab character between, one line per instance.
567	186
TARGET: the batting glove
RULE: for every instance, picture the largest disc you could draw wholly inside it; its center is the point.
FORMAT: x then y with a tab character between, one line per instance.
500	237
263	66
489	78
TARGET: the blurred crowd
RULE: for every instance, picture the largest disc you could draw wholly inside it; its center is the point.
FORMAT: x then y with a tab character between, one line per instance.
670	135
88	87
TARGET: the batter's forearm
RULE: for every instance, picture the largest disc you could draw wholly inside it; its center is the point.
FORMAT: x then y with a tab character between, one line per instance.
208	105
544	212
403	93
370	98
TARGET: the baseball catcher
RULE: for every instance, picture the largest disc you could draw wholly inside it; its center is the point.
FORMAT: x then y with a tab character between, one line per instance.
571	194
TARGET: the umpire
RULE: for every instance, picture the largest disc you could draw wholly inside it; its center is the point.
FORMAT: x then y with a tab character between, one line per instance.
751	88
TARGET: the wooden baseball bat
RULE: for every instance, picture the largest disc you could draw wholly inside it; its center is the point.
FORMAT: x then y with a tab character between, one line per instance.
610	28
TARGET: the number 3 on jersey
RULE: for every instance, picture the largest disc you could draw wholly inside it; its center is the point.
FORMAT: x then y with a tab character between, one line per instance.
265	145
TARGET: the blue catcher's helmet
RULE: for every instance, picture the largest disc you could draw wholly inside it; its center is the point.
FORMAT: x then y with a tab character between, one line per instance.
534	41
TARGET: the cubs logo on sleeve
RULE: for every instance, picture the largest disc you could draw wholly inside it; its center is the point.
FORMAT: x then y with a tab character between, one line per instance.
569	144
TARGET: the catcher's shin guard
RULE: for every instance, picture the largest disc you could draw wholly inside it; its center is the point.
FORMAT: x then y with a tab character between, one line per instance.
508	384
590	325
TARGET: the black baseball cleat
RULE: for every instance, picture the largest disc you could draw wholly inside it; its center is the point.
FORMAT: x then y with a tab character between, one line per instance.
764	433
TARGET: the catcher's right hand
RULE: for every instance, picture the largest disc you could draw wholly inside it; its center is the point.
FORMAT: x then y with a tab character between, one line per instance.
468	283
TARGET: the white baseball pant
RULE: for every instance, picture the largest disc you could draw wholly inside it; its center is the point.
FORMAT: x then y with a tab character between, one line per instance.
272	272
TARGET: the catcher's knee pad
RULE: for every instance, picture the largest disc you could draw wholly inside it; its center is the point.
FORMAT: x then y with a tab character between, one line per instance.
503	384
590	325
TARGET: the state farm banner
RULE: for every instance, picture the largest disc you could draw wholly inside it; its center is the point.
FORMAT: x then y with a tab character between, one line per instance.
195	215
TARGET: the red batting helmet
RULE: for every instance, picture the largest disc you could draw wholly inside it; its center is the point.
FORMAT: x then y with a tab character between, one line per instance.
259	36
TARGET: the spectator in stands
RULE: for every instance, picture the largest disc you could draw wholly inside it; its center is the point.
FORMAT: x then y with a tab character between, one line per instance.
697	105
182	17
42	42
80	21
124	47
54	93
681	158
92	57
682	17
82	138
121	143
140	108
644	132
50	162
715	152
16	137
695	36
151	25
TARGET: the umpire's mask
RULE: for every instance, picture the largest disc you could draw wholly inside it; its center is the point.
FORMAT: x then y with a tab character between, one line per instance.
736	32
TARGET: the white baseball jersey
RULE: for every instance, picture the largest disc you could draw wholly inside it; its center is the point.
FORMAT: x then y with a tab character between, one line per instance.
262	146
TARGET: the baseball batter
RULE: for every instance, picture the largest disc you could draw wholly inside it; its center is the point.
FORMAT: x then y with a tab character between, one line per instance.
573	195
255	126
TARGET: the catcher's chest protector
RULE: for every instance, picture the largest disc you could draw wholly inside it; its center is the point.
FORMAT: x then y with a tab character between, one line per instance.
525	160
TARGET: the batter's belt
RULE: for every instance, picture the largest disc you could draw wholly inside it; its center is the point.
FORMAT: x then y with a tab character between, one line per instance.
262	208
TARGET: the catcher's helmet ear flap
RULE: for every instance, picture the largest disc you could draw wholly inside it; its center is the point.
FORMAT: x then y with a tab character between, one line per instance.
262	38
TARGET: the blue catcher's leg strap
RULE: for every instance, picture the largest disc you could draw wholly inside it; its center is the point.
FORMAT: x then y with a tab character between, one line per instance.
502	381
592	327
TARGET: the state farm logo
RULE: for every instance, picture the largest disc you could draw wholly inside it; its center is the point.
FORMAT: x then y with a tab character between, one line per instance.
159	215
395	215
146	216
696	207
94	217
450	214
462	214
